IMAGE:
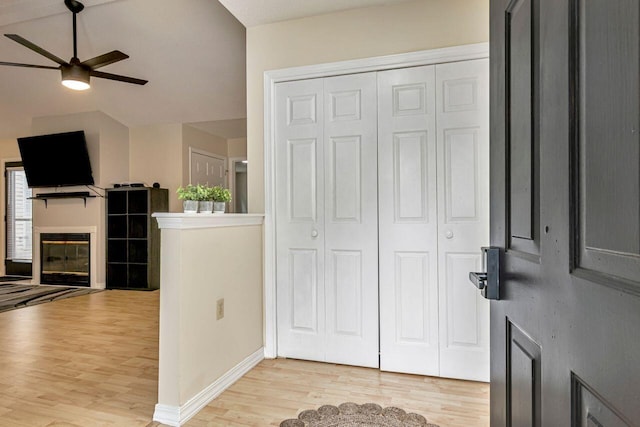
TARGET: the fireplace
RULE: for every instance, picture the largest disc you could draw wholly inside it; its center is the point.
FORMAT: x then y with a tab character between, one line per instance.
64	258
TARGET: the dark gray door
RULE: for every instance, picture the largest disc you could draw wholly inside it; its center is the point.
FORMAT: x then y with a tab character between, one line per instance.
565	206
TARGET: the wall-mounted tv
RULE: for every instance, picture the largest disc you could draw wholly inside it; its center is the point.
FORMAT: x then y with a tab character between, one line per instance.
56	160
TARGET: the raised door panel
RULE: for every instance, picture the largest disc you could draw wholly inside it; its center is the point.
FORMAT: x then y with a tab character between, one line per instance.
350	200
347	293
301	189
408	221
523	165
462	307
590	409
300	219
304	306
524	376
462	108
414	303
411	198
346	179
607	149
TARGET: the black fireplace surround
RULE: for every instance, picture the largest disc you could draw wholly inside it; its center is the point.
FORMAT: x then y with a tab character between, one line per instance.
64	259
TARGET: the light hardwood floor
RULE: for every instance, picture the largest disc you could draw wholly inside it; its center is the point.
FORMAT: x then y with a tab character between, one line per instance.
279	389
93	360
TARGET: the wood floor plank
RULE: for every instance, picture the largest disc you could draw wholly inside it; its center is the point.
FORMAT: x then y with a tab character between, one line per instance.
92	361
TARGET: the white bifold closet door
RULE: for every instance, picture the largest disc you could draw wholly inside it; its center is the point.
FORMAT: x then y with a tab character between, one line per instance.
433	218
408	216
462	100
382	180
326	219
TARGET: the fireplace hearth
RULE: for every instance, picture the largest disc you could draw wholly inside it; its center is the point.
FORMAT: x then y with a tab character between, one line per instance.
64	259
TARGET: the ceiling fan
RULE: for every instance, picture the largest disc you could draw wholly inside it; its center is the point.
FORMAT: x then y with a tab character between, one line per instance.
76	74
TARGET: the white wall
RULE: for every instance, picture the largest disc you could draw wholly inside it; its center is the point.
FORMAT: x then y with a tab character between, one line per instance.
155	155
160	153
237	147
357	33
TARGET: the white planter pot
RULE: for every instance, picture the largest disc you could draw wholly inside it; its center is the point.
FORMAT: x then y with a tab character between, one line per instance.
219	207
190	206
205	206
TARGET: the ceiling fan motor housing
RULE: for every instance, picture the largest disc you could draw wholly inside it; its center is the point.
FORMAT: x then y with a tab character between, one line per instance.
75	72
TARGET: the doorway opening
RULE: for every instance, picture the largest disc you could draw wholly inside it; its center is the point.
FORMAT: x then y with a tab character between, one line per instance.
238	184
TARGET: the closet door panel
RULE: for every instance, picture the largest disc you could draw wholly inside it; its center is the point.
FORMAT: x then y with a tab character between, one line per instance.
462	92
300	219
408	221
351	220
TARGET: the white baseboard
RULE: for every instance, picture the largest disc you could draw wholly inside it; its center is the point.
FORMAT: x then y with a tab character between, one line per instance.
177	416
166	414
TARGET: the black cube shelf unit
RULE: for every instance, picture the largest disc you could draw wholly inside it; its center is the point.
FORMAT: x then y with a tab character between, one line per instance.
133	237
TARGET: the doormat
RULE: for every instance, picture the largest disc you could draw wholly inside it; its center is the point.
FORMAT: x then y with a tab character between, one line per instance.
14	296
353	415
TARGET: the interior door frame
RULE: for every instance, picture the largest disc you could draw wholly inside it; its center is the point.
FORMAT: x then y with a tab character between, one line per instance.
231	178
271	78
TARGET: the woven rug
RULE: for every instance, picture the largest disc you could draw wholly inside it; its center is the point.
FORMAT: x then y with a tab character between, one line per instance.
353	415
13	278
16	296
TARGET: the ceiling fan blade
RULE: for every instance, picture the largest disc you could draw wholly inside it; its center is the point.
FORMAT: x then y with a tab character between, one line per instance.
106	59
14	64
26	43
117	77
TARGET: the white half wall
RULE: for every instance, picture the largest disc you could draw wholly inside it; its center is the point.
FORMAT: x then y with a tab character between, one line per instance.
206	258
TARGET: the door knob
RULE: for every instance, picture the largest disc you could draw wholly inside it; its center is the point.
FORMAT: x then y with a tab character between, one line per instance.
488	281
449	234
314	233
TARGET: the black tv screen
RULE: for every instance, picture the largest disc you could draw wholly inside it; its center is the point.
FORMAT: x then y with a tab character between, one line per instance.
56	160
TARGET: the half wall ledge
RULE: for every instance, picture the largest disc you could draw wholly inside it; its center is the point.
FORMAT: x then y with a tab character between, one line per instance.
182	221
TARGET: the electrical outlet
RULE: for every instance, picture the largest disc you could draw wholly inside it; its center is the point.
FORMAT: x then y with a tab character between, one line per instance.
220	309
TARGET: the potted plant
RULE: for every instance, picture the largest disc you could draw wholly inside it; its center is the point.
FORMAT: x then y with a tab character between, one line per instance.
205	198
189	197
220	196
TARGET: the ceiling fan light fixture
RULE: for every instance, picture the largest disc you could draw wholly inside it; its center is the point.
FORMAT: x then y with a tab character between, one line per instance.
76	84
75	77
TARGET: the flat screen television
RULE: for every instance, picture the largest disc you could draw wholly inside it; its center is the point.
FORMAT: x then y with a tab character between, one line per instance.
56	160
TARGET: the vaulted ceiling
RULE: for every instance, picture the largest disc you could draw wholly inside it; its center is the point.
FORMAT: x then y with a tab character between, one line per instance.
192	52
